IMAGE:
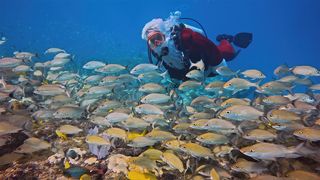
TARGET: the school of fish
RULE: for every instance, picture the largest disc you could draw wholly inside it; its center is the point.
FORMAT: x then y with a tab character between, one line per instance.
133	122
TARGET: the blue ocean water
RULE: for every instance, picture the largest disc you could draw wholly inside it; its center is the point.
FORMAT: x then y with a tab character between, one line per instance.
285	31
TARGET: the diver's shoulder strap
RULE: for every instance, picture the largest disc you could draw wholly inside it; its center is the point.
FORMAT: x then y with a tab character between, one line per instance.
176	35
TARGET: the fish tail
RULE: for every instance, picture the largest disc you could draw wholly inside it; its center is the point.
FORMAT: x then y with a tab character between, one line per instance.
300	149
68	93
191	64
290	90
259	81
256	84
236	74
3	82
164	74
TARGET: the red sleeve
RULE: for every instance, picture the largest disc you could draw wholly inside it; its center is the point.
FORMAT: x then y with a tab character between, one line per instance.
200	47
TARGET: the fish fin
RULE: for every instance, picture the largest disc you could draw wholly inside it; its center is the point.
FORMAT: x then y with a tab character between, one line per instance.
285	65
88	109
153	125
310	93
265	120
61	135
11	94
298	148
259	81
113	142
3	82
68	93
67	164
234	92
197	64
290	90
236	74
201	167
144	132
256	84
127	67
239	131
133	111
259	90
191	64
201	61
291	69
164	74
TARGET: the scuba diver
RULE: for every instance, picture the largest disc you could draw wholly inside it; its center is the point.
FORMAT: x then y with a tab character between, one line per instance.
178	47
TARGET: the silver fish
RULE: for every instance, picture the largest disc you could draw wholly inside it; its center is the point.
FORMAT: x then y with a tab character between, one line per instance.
305	71
155	98
111	68
143	68
152	88
69	112
241	113
54	50
93	65
253	74
269	151
148	109
10	62
225	71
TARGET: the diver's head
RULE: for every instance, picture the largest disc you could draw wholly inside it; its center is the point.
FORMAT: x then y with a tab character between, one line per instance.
154	25
155	39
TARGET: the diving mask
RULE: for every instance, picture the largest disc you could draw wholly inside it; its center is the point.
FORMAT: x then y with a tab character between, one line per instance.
155	39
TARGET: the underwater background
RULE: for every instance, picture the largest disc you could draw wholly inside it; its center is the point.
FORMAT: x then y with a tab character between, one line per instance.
75	112
285	31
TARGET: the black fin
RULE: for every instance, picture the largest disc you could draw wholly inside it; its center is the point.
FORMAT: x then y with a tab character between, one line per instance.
242	40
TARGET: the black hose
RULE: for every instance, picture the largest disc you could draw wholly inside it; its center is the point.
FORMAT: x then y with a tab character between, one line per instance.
197	23
149	54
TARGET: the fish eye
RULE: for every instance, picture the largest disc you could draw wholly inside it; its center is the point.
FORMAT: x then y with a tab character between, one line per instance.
229	84
228	112
270	115
251	150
